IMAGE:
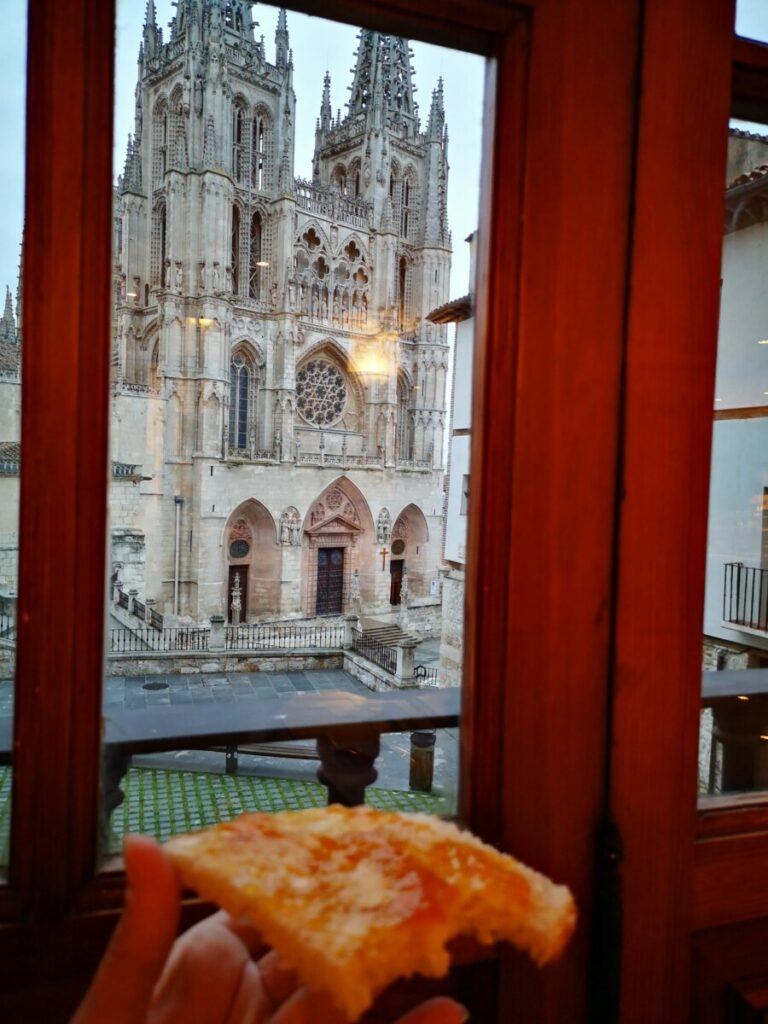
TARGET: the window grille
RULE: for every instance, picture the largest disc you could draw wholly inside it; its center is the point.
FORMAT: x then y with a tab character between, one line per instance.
240	403
256	257
235	254
158	246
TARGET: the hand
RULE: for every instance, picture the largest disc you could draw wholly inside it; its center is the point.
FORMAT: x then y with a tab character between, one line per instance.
218	972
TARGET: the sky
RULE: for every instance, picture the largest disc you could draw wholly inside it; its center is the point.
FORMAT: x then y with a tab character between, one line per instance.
318	45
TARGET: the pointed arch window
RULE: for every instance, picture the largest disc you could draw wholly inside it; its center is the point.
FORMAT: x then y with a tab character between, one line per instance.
159	144
402	292
241	402
238	123
159	244
258	152
256	258
408	208
235	254
404	438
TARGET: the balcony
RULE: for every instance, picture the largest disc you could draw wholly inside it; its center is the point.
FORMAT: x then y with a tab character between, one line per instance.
745	596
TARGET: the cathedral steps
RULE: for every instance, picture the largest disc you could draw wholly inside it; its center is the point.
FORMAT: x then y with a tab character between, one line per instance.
388	634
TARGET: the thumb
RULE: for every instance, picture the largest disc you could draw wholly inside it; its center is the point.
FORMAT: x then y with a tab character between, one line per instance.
437	1011
121	991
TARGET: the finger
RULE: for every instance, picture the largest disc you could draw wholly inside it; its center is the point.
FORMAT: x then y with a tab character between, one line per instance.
122	988
248	934
305	1007
278	981
437	1011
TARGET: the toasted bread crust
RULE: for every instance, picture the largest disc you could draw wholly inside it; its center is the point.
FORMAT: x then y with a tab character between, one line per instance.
354	898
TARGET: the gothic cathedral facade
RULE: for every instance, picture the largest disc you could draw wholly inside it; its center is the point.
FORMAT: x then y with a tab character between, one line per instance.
278	394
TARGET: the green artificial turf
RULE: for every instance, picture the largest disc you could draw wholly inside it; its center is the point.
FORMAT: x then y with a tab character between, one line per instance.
161	803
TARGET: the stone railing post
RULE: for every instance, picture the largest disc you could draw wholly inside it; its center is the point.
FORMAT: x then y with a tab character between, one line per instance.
149	604
404	670
132	595
217	641
117	590
350	623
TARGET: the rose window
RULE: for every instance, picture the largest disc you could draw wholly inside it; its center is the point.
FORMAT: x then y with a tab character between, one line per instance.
321	393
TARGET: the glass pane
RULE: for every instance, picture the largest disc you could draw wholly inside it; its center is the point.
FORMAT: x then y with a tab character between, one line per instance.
734	722
752	19
13	50
287	547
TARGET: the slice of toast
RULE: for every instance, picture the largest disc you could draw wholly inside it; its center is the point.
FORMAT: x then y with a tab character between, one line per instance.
354	898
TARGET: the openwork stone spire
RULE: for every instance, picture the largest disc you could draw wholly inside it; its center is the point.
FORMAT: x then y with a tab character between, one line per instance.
8	322
326	114
282	44
382	78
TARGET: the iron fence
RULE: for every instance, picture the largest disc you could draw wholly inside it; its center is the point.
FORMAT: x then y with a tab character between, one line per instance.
426	676
266	637
7	627
155	619
145	640
122	599
745	596
139	608
374	650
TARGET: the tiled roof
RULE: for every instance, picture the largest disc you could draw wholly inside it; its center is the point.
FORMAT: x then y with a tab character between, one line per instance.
739	133
9	355
452	312
756	174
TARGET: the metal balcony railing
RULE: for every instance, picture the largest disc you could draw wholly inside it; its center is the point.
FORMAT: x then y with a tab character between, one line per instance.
745	596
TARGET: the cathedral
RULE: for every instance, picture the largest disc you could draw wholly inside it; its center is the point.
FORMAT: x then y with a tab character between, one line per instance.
278	397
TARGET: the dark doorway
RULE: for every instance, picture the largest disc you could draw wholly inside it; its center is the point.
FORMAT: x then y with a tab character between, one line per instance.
395	579
330	581
242	572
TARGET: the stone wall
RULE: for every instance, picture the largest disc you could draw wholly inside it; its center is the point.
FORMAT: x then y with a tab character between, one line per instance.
452	635
9	563
193	662
7	661
719	654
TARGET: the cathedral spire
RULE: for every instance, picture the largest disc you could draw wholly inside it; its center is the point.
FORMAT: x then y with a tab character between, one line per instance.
152	36
8	323
281	40
382	77
436	114
326	114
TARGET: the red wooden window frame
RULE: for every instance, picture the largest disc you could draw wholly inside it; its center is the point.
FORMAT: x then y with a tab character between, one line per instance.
576	317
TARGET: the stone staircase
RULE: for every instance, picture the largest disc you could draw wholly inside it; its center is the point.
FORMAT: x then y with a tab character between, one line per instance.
387	633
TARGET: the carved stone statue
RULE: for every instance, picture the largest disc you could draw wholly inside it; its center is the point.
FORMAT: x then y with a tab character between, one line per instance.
229	278
179	276
202	275
216	277
167	275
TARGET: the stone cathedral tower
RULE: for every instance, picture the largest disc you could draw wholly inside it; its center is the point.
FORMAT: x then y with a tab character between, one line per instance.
279	397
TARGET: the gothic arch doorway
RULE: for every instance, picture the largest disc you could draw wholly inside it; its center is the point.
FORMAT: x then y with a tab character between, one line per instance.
339	541
253	563
410	548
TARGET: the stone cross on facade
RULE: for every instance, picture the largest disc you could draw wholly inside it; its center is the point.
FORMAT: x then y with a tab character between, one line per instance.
384	552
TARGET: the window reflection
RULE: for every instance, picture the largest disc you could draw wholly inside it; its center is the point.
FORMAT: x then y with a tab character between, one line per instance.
734	735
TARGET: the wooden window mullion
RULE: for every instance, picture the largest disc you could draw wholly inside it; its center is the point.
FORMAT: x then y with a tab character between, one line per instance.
62	586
